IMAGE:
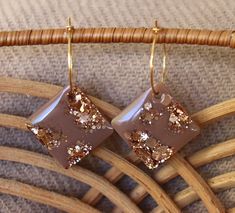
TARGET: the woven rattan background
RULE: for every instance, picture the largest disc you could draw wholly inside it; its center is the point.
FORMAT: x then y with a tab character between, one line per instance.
199	76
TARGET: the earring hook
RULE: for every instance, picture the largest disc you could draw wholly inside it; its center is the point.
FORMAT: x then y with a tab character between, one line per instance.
70	29
156	29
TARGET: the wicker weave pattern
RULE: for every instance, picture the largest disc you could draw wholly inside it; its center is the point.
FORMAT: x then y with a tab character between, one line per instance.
125	35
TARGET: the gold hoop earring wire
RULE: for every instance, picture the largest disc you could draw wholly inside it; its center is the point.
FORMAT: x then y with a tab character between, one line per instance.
151	62
70	29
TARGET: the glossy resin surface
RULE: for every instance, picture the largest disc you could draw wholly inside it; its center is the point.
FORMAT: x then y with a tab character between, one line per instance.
70	126
155	126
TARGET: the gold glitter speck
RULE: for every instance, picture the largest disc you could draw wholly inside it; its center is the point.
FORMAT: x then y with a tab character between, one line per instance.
148	114
148	106
148	148
78	152
86	113
178	119
48	137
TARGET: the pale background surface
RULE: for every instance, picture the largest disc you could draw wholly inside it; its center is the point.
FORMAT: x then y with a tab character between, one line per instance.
117	73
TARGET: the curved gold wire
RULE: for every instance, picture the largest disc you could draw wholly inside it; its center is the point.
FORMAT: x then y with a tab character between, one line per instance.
70	29
151	62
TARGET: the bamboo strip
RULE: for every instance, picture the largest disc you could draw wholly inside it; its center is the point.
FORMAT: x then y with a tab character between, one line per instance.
231	210
13	121
43	196
181	165
188	195
215	112
78	173
200	158
198	184
140	177
92	196
183	198
113	175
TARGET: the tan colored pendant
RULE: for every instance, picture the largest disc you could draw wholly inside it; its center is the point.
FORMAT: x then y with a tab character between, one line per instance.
155	126
70	126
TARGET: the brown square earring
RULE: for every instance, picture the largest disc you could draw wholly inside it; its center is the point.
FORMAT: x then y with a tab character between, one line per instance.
155	125
70	126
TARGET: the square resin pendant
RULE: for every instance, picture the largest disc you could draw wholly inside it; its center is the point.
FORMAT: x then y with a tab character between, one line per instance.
70	126
155	126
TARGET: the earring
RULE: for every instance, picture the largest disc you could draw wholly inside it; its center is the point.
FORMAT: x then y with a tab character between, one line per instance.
155	125
69	125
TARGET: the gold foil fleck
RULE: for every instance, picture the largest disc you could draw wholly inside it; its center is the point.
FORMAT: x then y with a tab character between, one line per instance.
165	99
48	137
78	152
148	114
148	105
86	113
148	148
178	119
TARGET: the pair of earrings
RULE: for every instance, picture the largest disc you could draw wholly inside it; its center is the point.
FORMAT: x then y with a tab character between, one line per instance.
155	125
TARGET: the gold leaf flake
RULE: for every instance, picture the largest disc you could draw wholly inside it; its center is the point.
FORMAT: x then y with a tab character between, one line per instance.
148	148
86	113
178	119
78	152
48	137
